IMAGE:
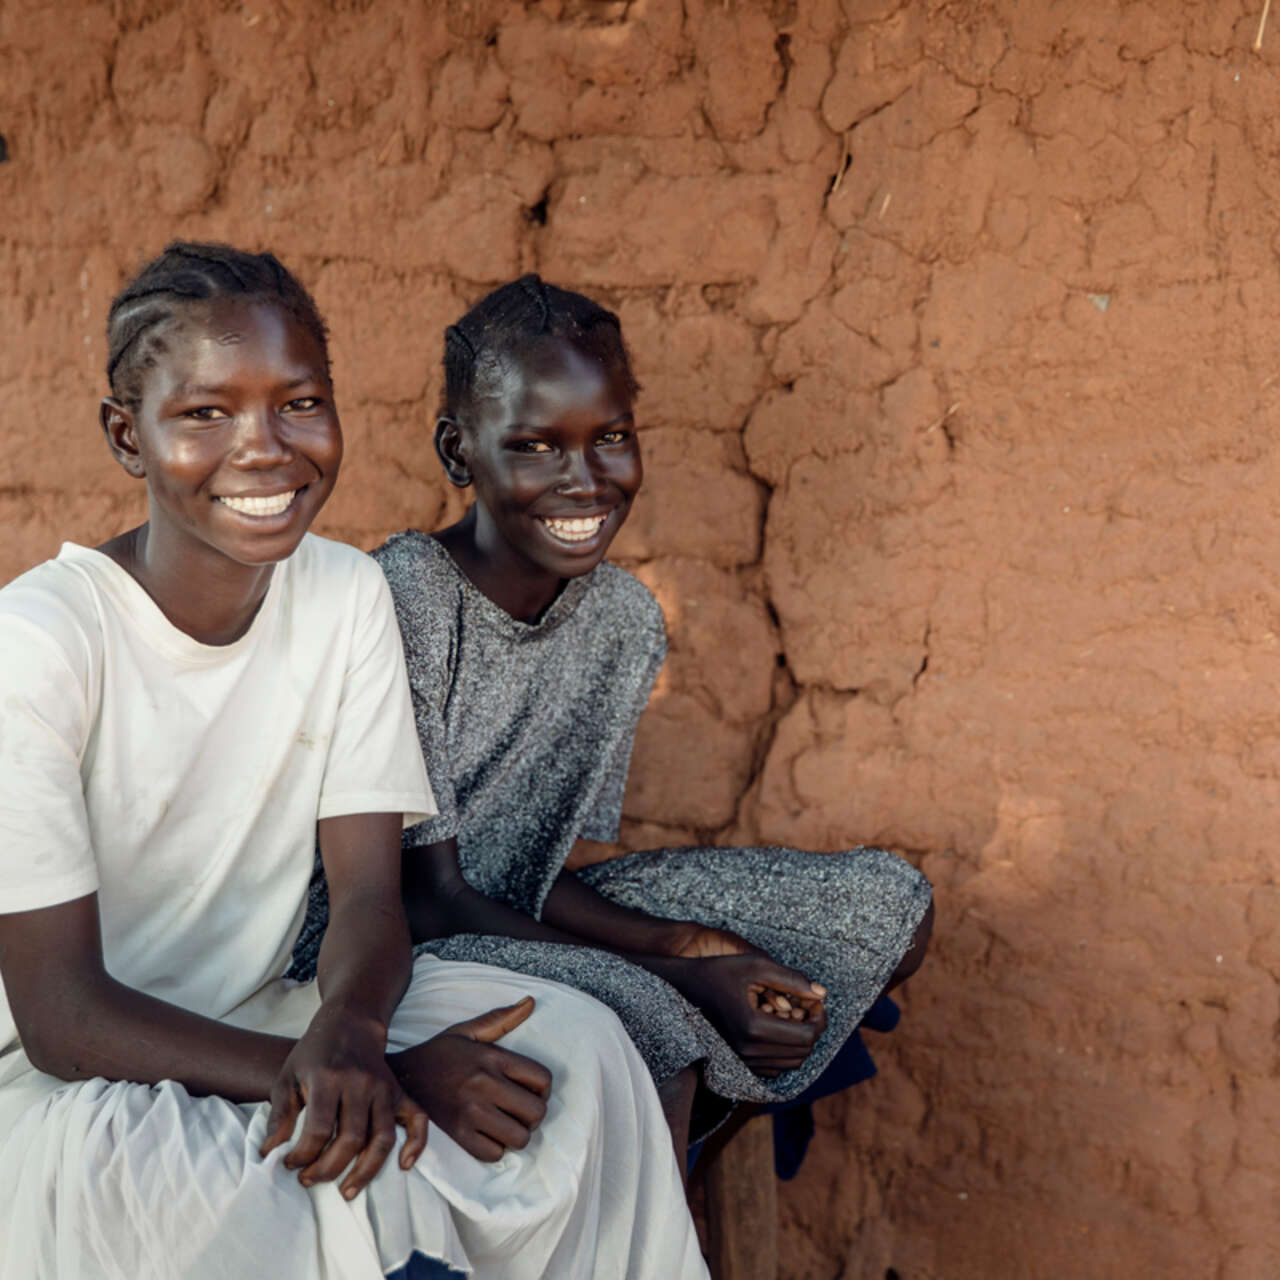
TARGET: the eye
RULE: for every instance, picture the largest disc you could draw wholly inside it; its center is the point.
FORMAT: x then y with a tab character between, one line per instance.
530	446
205	413
619	436
304	404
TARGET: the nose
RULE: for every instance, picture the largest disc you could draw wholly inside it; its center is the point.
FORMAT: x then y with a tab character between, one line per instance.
260	441
578	477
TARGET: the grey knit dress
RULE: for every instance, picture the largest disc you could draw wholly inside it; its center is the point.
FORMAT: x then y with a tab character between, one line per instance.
527	730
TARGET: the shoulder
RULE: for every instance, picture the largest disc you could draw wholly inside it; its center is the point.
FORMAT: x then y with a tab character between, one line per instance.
413	561
425	589
322	558
324	570
334	589
49	617
629	604
424	584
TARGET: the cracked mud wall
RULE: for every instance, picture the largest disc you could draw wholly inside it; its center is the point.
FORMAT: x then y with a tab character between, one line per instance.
956	325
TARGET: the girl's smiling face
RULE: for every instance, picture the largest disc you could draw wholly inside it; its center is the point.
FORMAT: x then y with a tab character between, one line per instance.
235	431
553	455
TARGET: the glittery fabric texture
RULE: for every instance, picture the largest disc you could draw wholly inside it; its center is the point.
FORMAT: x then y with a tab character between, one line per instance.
527	731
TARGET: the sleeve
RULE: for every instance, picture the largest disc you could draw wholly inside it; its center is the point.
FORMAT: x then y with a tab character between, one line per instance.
374	764
46	855
603	816
423	610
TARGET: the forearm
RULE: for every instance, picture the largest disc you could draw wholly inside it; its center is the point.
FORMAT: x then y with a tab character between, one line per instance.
455	907
580	910
463	909
99	1027
440	902
365	959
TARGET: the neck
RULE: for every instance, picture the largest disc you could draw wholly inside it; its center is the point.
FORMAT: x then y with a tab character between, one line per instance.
215	604
523	589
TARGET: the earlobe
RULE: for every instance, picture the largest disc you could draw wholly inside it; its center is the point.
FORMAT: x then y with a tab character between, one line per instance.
451	447
117	425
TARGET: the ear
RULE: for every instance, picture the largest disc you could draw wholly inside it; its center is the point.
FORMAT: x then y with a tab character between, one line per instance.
117	425
451	446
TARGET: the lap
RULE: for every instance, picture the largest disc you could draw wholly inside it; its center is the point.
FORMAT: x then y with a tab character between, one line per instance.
148	1181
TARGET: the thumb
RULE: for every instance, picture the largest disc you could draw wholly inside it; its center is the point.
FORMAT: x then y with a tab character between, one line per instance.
789	982
491	1026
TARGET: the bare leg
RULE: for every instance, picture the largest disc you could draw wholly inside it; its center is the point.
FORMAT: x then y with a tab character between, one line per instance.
725	1134
676	1095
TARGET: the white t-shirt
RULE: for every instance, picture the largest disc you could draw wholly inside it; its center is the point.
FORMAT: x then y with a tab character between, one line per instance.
183	781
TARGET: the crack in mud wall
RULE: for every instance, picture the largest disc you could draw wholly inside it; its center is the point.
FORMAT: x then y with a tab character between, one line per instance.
955	327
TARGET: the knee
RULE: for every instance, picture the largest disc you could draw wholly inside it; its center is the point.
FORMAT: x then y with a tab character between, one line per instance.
914	957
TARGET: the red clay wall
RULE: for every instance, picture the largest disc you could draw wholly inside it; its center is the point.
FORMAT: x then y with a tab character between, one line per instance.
956	324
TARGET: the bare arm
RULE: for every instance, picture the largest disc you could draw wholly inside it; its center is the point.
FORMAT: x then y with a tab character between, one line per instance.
439	902
577	908
338	1069
77	1022
365	957
729	986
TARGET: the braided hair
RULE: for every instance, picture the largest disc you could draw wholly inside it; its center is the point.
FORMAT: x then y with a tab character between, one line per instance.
186	273
497	329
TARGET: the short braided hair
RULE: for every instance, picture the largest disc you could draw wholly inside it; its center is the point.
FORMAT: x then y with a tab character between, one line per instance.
185	273
507	320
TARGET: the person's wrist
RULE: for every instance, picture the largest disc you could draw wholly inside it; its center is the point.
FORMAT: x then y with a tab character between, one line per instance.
672	937
353	1017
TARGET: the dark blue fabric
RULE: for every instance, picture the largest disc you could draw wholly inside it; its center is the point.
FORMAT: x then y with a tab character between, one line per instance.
420	1267
793	1121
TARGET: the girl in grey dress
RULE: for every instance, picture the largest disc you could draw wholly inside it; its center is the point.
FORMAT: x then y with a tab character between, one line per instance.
530	659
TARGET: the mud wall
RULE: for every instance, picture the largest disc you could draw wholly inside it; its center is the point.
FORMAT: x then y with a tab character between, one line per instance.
956	325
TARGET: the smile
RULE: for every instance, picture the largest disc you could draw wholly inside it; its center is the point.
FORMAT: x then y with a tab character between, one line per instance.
273	506
581	529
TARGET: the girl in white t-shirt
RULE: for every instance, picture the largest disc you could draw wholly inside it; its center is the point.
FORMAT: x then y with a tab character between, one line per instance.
186	709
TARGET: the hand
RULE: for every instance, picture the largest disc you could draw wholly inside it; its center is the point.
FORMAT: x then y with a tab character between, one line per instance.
698	942
484	1097
740	994
354	1102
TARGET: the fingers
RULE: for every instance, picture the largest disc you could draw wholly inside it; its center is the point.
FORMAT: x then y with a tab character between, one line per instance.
416	1125
317	1129
774	1032
381	1141
775	1003
505	1130
366	1134
525	1072
787	982
286	1102
525	1105
482	1147
792	1009
496	1023
818	1016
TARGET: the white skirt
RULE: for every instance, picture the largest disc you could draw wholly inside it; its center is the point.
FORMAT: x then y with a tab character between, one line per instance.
115	1181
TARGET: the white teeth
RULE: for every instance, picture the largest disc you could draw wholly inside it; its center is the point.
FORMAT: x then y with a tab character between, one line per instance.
261	506
577	530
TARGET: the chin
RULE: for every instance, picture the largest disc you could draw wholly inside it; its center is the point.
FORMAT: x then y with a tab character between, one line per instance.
569	565
272	552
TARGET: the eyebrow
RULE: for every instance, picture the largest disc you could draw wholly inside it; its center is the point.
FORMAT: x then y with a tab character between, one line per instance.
200	389
512	427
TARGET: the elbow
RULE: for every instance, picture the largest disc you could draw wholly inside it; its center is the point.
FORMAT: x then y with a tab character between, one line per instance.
60	1035
50	1052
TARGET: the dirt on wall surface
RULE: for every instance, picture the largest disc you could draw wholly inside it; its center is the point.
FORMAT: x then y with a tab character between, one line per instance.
956	324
